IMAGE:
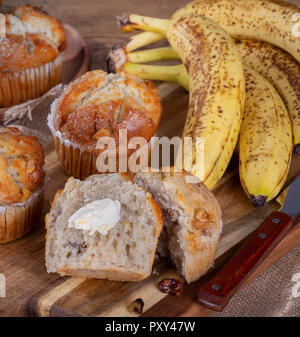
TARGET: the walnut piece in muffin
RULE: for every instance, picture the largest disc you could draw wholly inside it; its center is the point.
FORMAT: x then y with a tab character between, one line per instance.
21	166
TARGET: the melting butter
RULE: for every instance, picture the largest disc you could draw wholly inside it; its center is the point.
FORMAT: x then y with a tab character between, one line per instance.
97	216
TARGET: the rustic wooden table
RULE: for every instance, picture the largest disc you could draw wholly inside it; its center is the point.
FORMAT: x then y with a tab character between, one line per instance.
26	274
96	19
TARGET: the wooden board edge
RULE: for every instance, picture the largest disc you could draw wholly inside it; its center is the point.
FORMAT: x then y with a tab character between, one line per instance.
35	306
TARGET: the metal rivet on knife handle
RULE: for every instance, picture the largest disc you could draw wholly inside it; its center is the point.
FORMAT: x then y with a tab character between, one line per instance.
262	235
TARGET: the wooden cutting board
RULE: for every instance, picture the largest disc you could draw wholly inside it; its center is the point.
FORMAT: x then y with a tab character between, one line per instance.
31	291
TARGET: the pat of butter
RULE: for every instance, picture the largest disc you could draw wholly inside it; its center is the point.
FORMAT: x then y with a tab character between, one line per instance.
97	216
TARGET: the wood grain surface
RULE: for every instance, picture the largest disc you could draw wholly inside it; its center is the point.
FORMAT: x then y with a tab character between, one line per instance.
31	291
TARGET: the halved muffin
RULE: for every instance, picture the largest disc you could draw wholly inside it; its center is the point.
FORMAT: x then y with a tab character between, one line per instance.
125	252
192	219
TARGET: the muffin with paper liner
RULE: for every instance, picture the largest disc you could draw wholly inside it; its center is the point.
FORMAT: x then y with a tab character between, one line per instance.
100	105
31	55
22	178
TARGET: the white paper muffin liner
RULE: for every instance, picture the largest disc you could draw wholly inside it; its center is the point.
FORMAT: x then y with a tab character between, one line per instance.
76	162
22	86
16	220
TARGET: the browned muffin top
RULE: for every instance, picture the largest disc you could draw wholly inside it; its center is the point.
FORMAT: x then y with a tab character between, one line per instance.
98	105
32	38
21	166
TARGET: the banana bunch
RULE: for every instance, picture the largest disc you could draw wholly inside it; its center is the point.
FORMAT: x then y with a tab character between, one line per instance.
278	67
265	145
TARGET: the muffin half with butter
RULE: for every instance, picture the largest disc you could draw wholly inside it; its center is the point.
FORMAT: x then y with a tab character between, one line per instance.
21	183
104	227
101	105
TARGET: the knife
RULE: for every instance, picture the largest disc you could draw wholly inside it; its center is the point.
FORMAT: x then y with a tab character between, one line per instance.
219	290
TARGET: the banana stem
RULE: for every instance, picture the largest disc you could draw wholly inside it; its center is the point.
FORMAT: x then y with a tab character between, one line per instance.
141	40
152	55
118	56
175	73
132	22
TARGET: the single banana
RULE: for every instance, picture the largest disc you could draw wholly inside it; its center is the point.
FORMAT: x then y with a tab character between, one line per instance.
265	145
217	89
282	71
277	66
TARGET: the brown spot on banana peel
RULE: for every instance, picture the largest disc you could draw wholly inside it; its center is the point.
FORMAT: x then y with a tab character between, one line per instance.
297	148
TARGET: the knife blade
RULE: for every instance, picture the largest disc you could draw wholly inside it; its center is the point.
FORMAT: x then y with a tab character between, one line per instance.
291	204
225	283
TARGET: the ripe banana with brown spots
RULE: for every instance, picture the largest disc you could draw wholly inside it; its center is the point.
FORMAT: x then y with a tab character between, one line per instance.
265	145
217	90
282	71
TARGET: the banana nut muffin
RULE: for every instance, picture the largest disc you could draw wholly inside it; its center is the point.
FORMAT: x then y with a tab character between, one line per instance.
21	183
98	105
30	55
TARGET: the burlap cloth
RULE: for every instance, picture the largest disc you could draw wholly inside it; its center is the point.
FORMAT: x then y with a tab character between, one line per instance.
32	115
275	293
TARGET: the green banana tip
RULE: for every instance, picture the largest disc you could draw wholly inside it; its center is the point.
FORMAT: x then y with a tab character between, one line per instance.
258	200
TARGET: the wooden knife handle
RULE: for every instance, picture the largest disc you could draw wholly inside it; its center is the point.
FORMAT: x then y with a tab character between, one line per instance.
218	291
